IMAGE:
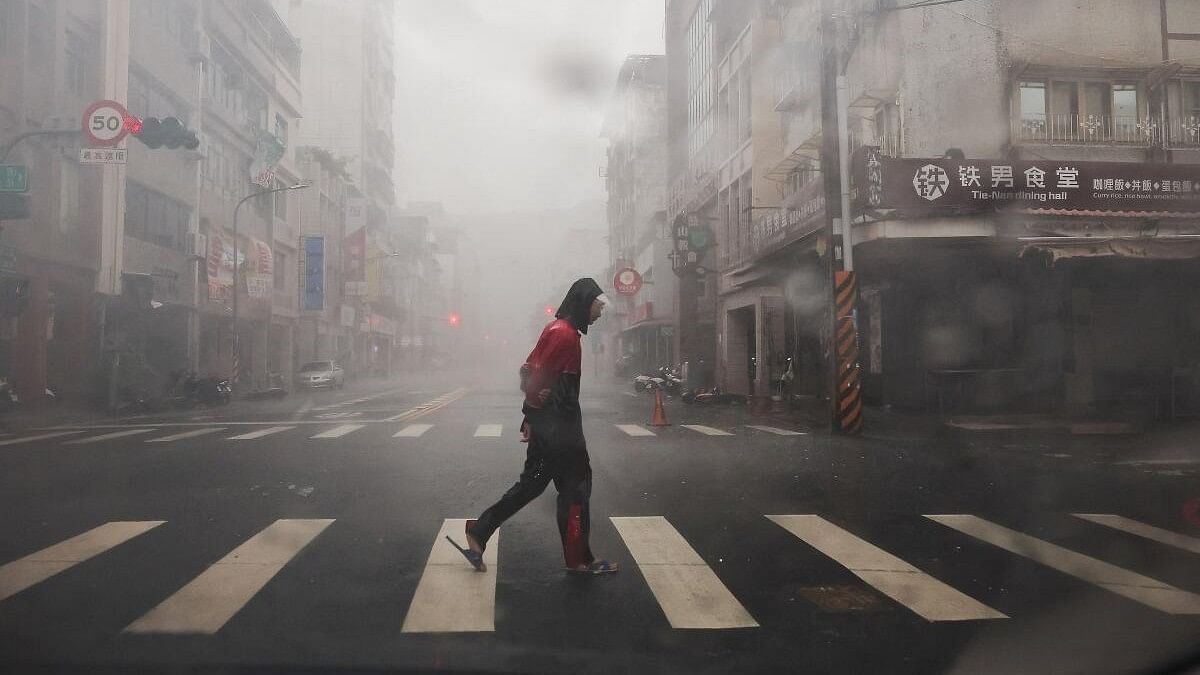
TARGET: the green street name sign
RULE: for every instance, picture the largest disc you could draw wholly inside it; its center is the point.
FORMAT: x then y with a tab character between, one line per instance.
14	178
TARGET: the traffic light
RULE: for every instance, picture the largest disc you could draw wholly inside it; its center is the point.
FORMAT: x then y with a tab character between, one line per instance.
156	133
549	311
455	319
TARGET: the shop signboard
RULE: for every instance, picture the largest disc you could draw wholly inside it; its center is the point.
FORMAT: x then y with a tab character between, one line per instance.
916	186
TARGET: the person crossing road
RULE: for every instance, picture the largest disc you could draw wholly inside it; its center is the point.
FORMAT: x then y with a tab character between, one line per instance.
553	429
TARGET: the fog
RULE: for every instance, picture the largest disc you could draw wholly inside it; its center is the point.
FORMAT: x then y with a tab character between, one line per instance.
499	118
500	103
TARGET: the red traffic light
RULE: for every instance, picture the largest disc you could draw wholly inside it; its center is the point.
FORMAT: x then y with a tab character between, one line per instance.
549	311
133	125
455	319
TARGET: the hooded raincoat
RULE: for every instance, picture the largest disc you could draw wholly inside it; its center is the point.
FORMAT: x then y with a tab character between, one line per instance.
557	450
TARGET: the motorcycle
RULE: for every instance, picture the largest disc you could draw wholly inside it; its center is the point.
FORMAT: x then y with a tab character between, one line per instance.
647	383
672	382
8	396
713	396
187	389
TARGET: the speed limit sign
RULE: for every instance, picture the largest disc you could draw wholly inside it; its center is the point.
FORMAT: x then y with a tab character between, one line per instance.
104	123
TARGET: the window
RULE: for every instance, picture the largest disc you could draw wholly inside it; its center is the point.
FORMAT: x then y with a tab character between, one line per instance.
1080	111
1191	99
1033	103
1125	108
154	217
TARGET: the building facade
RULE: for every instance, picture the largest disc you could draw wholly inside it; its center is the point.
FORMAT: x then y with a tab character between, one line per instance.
1021	202
636	182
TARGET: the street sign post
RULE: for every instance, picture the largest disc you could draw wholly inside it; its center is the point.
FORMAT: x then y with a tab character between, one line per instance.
14	178
104	123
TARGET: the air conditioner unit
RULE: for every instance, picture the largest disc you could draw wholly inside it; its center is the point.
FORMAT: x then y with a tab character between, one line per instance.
198	245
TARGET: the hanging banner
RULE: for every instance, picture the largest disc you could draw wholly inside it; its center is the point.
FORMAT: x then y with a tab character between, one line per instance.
314	273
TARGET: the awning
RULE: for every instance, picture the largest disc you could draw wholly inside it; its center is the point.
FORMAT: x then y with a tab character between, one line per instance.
1176	247
1097	213
654	323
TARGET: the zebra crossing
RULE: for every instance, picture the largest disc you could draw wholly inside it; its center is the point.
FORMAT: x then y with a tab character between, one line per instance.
333	430
450	597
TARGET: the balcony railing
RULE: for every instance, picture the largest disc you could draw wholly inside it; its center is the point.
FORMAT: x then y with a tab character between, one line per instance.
1088	130
1184	132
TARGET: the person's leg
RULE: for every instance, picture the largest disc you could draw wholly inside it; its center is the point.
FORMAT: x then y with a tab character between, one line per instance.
574	485
533	481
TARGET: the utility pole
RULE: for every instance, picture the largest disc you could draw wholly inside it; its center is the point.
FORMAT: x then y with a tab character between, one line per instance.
843	388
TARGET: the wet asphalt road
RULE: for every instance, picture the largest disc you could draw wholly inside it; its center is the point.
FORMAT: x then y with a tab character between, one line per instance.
341	600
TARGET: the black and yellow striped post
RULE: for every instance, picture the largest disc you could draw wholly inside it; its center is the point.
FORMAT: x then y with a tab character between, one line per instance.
848	409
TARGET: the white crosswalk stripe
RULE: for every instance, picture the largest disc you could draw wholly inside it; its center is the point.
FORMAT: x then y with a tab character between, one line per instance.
211	599
338	432
34	568
259	434
707	431
186	434
1121	581
1143	530
689	592
108	436
451	596
489	431
931	599
40	437
413	431
775	430
635	430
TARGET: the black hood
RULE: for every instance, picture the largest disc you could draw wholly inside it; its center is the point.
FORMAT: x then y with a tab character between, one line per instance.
577	306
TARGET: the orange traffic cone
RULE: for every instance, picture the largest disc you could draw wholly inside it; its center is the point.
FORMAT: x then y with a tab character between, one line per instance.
660	418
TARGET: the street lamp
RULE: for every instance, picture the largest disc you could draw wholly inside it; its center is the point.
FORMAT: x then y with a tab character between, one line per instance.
237	345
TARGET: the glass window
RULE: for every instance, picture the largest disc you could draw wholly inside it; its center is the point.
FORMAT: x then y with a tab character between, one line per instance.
1191	98
1033	103
1125	103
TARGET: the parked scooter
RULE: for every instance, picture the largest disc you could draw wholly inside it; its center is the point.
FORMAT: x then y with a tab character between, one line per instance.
672	381
8	396
186	389
647	383
713	396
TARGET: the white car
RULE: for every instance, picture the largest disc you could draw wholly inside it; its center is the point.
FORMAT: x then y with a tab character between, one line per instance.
321	374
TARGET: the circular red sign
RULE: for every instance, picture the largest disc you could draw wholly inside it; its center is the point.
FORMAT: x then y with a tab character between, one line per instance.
628	281
104	123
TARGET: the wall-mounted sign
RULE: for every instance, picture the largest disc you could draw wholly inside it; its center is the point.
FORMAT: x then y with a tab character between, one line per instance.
924	186
628	281
314	273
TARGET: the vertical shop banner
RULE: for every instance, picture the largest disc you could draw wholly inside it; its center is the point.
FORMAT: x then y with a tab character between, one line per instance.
314	273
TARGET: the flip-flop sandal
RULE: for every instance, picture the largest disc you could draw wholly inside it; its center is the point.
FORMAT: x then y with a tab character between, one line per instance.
476	559
596	567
